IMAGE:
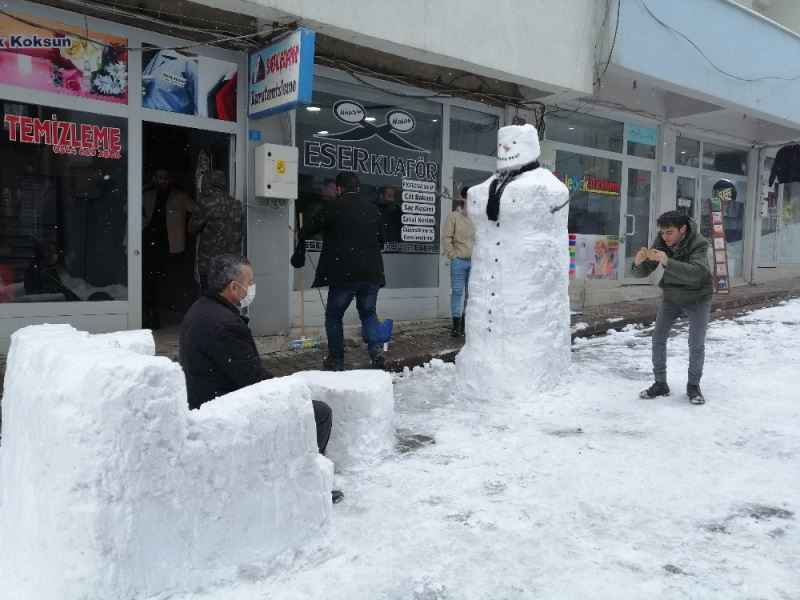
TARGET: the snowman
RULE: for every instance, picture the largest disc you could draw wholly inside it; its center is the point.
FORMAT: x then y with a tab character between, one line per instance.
517	319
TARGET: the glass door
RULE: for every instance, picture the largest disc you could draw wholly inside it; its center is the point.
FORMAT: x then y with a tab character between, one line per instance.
789	225
637	204
686	196
770	200
175	159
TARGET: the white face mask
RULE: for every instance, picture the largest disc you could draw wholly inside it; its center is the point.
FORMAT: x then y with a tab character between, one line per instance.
251	294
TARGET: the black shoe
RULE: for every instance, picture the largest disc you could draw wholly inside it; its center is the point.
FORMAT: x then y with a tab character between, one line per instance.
695	395
455	330
659	388
461	325
337	496
378	359
333	363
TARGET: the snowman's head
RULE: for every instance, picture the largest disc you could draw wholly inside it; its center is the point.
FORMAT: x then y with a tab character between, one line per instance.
517	145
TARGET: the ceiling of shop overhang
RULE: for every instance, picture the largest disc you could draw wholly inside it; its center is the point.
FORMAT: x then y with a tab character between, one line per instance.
197	22
626	92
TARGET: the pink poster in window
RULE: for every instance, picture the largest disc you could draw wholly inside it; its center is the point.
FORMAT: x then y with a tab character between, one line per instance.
75	61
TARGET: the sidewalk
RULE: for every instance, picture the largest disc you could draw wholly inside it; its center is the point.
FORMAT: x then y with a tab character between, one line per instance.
417	342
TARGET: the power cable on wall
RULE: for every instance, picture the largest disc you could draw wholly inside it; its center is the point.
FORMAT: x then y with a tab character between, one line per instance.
113	10
599	78
711	62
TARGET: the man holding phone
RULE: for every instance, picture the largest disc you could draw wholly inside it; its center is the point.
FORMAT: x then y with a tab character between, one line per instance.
687	289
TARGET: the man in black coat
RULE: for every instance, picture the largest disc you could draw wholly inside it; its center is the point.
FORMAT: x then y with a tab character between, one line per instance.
351	265
216	349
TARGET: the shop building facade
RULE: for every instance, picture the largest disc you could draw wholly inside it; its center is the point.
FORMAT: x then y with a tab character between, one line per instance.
631	135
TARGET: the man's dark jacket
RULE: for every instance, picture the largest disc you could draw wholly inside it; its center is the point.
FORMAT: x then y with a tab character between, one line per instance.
687	276
217	351
352	240
219	219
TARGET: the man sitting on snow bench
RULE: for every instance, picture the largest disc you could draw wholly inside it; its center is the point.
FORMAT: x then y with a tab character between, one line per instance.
216	349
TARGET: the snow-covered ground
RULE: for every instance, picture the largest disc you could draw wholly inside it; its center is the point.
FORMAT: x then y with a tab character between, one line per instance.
592	493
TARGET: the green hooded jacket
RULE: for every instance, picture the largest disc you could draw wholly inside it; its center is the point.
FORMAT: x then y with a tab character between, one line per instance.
687	276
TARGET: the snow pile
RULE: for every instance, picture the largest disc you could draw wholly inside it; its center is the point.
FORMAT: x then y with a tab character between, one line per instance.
604	496
363	413
517	319
111	488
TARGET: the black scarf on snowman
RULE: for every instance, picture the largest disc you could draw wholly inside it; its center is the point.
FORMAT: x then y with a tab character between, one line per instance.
500	182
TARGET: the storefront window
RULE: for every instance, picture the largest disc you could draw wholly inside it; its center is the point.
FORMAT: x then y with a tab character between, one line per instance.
585	130
473	131
789	246
466	178
685	198
393	144
687	152
724	159
63	205
642	140
732	217
594	213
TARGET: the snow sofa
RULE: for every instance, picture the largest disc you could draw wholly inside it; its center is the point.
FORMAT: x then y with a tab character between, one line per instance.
111	488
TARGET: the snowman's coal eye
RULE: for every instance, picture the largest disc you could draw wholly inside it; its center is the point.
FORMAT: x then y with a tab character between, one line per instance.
514	142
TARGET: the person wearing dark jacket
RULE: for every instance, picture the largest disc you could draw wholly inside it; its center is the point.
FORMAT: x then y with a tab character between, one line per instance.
687	289
351	265
219	222
216	349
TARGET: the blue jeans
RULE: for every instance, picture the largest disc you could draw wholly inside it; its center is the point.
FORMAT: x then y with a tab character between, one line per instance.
339	299
459	284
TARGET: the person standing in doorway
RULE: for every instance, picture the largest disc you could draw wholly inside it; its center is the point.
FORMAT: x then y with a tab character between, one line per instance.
163	236
391	213
687	288
457	239
351	265
218	221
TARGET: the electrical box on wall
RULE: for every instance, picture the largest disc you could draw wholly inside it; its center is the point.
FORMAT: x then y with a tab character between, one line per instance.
276	171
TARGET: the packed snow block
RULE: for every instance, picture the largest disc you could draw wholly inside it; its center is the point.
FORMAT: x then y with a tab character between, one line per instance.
111	488
363	413
138	341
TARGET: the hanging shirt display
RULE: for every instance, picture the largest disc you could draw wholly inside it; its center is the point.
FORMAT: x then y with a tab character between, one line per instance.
169	82
786	167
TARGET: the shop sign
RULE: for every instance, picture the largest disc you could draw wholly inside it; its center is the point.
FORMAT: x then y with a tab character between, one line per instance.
281	74
54	57
590	185
641	134
397	122
427	220
65	137
341	157
377	146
